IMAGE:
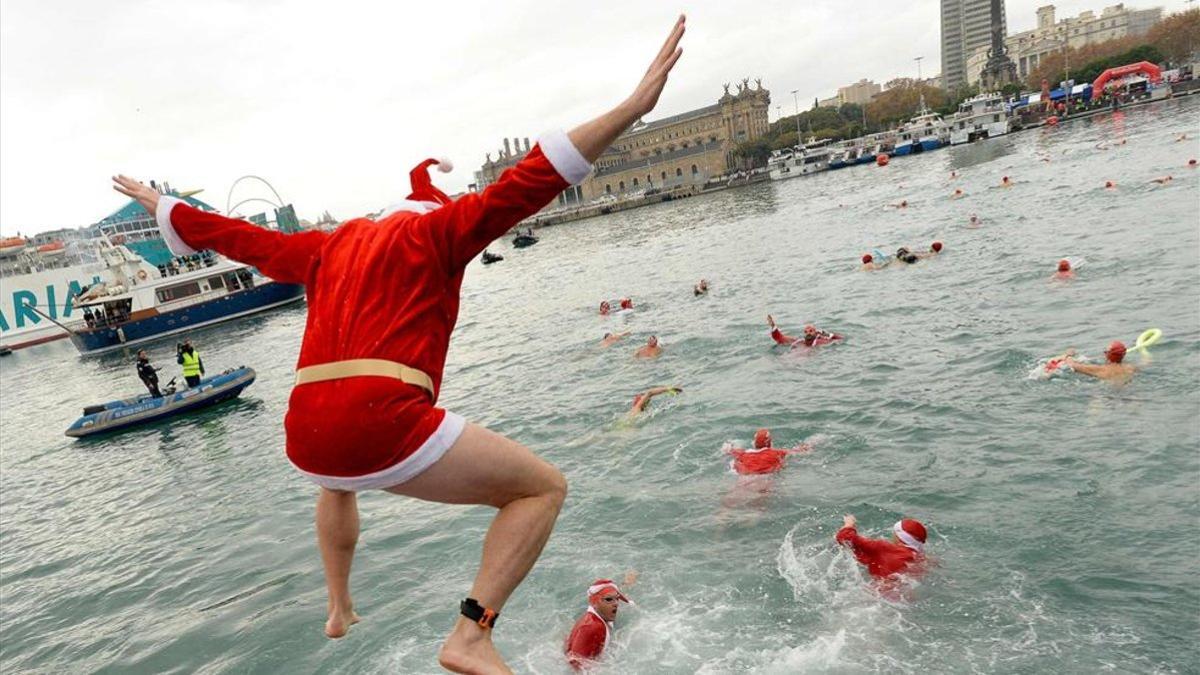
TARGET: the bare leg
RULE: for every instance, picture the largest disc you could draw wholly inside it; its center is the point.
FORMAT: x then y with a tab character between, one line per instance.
337	534
483	467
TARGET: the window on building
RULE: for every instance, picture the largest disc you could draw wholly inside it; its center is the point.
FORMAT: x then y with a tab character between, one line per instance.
635	183
695	170
621	186
664	176
678	172
607	189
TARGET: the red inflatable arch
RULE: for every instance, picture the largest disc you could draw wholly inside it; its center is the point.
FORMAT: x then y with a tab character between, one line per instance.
1145	67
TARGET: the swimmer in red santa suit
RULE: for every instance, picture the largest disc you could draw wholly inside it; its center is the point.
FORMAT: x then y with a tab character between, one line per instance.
363	414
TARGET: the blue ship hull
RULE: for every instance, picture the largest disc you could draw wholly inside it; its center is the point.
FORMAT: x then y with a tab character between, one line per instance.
118	415
225	308
931	144
905	149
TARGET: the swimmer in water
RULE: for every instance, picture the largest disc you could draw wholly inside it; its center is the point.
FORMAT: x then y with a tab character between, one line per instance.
883	558
1182	137
870	264
1113	370
810	338
642	400
1064	270
958	194
650	350
763	458
1005	182
611	339
1161	180
590	634
700	288
906	256
954	174
975	221
934	249
902	204
1191	163
1109	185
605	308
626	303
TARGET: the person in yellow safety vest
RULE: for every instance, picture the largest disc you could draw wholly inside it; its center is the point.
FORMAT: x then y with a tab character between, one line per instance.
189	358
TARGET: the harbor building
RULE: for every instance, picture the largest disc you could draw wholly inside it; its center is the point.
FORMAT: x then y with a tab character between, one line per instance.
684	149
1028	48
966	27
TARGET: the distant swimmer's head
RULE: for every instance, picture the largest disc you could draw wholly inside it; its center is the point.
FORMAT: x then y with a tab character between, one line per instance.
903	203
937	247
626	303
607	335
810	333
958	192
1005	181
1192	163
867	259
974	219
762	439
605	308
1064	265
911	533
603	595
1109	184
1115	352
652	341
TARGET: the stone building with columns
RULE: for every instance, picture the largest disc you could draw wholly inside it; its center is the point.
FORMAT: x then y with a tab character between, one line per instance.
684	149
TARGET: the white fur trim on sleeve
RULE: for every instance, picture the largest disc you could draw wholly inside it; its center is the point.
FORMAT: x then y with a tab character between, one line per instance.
565	157
163	215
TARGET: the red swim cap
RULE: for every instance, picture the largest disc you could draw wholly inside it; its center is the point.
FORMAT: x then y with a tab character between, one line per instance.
1064	265
1115	351
937	246
867	258
762	439
1191	162
1109	184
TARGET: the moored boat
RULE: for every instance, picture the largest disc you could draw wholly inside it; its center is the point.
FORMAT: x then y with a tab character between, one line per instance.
979	117
133	411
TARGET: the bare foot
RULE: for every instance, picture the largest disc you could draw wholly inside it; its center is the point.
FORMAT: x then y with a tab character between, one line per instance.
339	623
469	649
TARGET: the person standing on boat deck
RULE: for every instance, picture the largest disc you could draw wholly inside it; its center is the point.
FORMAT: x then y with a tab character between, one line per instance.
363	413
148	373
193	368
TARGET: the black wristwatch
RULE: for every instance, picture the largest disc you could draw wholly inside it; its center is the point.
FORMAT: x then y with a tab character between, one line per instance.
486	618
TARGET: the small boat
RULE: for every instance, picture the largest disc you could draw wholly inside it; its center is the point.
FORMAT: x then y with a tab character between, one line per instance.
489	257
5	350
524	240
117	415
54	249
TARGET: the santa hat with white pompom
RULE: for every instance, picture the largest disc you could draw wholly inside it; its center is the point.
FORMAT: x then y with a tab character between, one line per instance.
425	197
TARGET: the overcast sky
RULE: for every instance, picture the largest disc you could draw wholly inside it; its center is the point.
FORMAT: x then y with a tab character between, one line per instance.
333	103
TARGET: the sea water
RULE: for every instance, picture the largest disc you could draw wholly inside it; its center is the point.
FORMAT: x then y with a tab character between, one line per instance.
1064	515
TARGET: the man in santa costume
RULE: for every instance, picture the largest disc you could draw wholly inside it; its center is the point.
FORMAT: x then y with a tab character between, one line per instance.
591	632
762	458
383	299
883	558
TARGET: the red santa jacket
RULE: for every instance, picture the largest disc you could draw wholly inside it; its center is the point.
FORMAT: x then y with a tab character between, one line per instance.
381	290
767	460
587	638
883	558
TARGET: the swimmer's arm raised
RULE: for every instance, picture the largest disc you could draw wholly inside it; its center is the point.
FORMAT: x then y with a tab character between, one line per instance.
1085	368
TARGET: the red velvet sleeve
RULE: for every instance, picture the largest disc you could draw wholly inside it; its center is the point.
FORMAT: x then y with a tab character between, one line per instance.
466	226
283	257
863	547
779	338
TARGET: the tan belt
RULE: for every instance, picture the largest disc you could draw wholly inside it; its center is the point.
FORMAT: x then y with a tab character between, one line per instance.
338	370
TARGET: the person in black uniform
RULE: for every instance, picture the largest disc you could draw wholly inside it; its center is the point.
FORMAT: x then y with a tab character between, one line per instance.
148	373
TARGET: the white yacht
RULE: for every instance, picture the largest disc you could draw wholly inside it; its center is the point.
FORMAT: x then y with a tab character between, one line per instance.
982	116
800	160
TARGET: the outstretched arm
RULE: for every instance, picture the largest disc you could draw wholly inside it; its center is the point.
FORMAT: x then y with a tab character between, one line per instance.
466	226
285	257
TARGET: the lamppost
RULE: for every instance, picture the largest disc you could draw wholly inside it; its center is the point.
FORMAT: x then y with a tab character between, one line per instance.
796	99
